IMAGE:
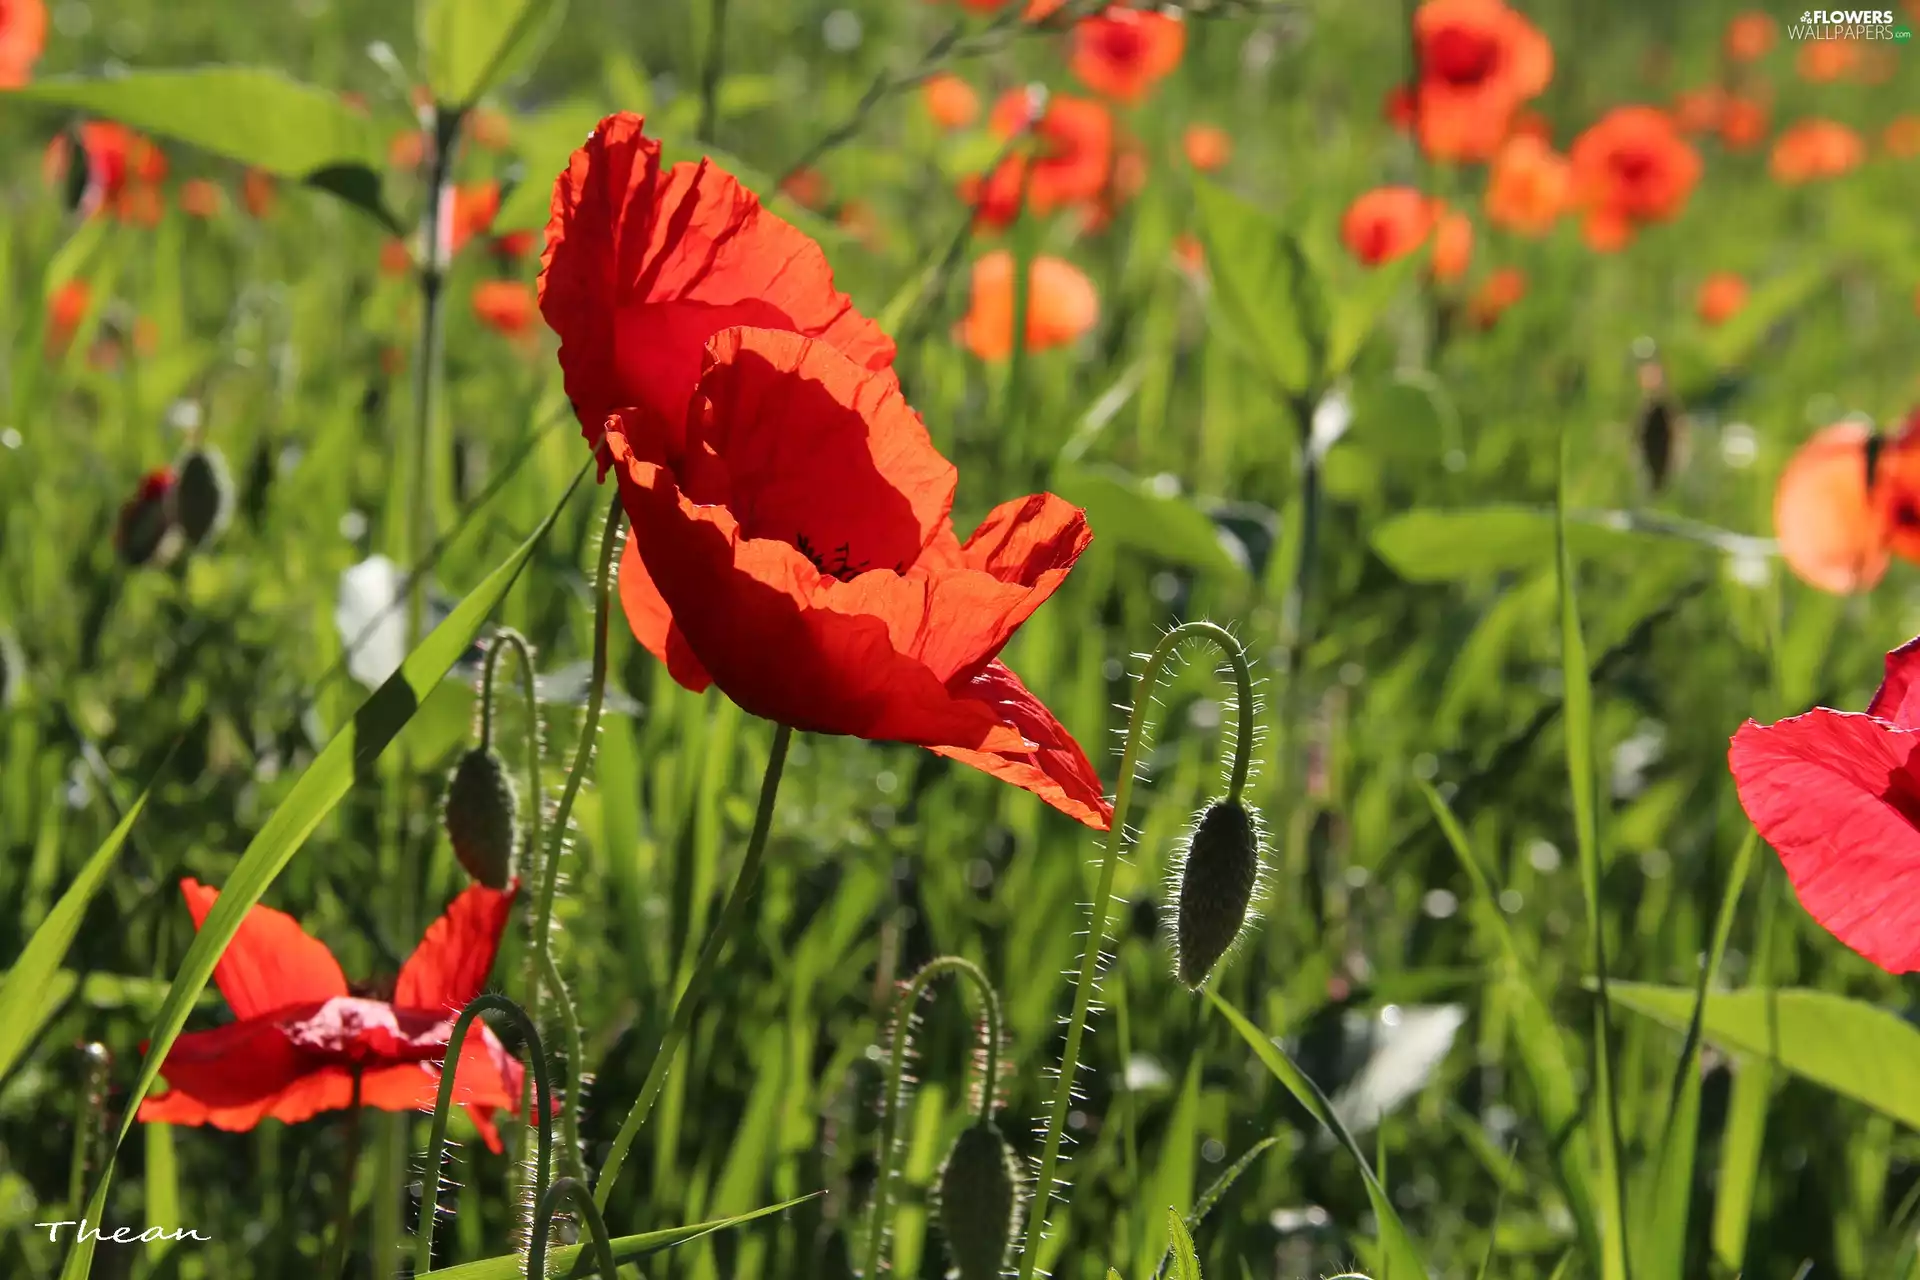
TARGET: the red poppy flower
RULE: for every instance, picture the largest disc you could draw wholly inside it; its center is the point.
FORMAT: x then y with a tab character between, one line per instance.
1061	305
506	306
950	100
643	265
1498	292
23	33
466	211
1478	61
200	198
259	192
1824	61
1208	146
1630	168
514	244
490	128
1122	53
1072	160
1837	795
1721	296
123	168
1750	35
1528	187
1836	523
65	310
1386	223
806	188
1814	149
792	545
301	1035
1743	122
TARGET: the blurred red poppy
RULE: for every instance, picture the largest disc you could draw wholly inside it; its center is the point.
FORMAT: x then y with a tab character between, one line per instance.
467	211
1901	139
1061	305
124	170
644	265
301	1037
1529	186
792	545
490	128
1835	522
1072	160
1743	122
806	188
1699	110
1837	795
259	191
1208	146
65	310
1478	61
1122	53
515	244
1824	61
200	198
1721	297
1815	149
1386	223
950	100
506	306
1631	168
1498	292
1750	35
407	149
395	258
23	33
1452	244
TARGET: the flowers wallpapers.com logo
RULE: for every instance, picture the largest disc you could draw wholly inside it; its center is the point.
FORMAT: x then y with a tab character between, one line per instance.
1849	24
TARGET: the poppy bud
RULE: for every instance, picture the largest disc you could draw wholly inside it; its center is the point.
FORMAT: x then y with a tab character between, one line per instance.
482	817
203	498
146	519
1221	867
978	1205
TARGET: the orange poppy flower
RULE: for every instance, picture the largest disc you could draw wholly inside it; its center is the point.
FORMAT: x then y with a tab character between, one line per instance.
1815	149
1743	123
1478	62
1834	530
1071	163
1061	305
792	544
1189	255
65	310
1497	293
1208	146
408	149
303	1043
200	198
1452	244
23	34
395	258
1699	110
1721	296
806	188
513	245
123	168
490	129
1529	186
505	306
1750	35
1824	61
1122	53
950	100
467	211
1386	223
259	192
644	264
1631	168
1902	137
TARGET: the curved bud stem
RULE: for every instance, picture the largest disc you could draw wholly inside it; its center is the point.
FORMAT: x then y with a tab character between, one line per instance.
575	1190
443	1105
1223	640
543	969
504	639
896	1069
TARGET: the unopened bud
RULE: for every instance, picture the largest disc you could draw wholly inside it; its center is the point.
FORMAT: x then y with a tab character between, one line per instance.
1216	887
146	519
203	497
978	1206
482	817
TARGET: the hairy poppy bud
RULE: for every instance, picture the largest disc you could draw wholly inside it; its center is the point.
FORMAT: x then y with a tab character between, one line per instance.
482	817
203	497
978	1208
146	519
1216	886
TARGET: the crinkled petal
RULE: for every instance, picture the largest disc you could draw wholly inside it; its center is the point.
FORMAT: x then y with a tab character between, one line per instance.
652	622
230	1076
450	966
1051	764
1837	796
271	962
1898	698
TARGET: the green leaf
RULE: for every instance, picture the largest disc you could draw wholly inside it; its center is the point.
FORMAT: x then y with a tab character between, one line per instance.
375	725
252	115
1129	512
163	1188
31	989
1357	309
625	1248
1732	344
1463	543
1401	1259
468	46
1186	1265
1858	1050
1267	298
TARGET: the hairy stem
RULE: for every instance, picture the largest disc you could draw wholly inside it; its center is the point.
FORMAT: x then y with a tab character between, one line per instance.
575	1190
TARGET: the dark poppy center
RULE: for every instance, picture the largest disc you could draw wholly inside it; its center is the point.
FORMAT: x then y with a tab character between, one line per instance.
839	561
1122	43
1634	167
1462	57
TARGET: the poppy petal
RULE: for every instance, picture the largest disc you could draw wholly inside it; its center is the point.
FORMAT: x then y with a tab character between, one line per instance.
1837	796
779	636
451	964
1897	700
271	962
414	1086
233	1072
1832	532
642	266
1051	765
652	622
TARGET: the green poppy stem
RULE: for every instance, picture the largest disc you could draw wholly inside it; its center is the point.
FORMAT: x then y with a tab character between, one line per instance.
337	1246
703	970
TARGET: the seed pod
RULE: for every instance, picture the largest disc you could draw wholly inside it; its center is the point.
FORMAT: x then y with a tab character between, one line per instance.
146	519
978	1206
203	498
482	817
1216	887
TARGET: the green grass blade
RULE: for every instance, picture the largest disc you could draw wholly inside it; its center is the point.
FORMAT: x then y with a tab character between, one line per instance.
1577	712
1186	1265
163	1188
1736	1189
31	988
375	725
1400	1259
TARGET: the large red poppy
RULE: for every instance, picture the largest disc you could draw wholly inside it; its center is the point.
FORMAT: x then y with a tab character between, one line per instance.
1837	795
1122	53
301	1035
644	264
1478	61
792	545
